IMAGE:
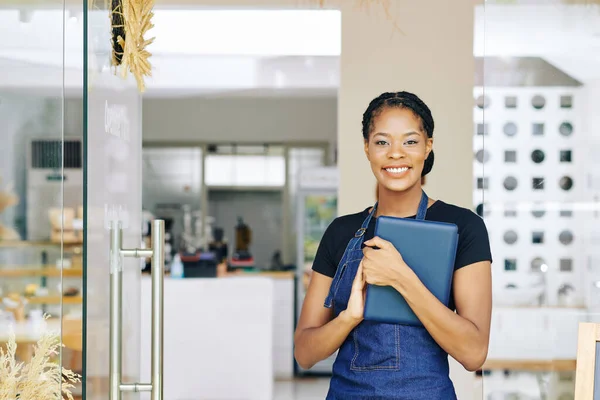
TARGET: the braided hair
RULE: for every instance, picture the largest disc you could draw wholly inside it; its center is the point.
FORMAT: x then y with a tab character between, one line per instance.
405	100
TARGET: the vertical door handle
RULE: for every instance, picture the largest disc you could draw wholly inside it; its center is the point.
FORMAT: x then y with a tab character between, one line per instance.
116	289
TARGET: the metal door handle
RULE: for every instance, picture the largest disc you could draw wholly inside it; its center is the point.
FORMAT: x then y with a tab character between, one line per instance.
116	290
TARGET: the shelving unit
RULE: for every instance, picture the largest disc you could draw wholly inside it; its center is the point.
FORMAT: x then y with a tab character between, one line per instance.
49	255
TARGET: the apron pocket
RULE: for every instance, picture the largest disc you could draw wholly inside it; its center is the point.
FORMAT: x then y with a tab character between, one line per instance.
376	346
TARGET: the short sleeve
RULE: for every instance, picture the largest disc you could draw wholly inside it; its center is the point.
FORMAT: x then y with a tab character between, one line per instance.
473	242
324	262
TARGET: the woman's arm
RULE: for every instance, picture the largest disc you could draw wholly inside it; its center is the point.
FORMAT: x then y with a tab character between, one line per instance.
464	334
318	335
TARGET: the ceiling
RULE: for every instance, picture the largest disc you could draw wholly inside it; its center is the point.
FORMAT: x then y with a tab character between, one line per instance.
225	53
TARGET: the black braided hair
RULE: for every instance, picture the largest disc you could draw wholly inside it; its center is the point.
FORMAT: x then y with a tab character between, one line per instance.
400	100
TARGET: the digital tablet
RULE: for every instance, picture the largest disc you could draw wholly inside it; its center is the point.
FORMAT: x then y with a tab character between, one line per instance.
429	249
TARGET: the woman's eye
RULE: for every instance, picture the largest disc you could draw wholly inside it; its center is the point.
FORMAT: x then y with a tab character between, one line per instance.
381	142
411	142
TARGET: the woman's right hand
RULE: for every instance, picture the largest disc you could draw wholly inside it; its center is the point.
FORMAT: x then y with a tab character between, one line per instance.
356	302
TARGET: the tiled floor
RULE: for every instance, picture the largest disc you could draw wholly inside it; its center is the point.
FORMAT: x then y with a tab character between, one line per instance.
301	389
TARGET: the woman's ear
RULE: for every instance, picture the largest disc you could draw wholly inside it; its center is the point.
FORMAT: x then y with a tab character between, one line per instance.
428	147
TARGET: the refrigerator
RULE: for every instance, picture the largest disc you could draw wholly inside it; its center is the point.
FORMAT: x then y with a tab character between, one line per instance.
316	208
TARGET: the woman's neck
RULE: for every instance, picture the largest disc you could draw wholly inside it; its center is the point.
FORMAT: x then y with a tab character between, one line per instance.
399	204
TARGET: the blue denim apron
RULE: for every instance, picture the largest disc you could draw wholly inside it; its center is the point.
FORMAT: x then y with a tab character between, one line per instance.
384	361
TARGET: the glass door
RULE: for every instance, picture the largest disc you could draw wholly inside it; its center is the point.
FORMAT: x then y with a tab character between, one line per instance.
40	203
112	111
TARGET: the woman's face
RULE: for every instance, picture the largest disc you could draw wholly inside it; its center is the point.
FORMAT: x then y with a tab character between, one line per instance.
397	148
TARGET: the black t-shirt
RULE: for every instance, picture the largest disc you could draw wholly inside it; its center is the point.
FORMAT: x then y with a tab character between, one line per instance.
473	240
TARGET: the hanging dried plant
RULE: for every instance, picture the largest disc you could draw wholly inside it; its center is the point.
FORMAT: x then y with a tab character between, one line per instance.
118	30
41	377
131	20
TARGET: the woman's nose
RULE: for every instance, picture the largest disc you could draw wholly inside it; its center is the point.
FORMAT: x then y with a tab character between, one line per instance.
396	152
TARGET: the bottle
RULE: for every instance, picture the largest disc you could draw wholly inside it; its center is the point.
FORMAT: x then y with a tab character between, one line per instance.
177	267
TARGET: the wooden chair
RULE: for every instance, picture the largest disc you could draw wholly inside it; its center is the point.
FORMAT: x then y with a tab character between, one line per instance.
588	362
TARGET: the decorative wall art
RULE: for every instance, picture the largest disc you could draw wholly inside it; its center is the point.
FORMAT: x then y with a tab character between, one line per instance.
530	163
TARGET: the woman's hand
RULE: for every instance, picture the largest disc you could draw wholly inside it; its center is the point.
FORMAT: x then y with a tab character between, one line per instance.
382	266
356	302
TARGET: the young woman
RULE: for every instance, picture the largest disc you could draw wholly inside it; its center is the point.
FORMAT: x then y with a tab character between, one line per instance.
389	361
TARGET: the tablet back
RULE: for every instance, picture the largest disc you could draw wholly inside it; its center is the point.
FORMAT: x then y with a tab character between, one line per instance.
429	249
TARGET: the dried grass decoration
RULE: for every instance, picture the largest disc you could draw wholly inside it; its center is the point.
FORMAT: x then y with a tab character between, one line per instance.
131	20
41	378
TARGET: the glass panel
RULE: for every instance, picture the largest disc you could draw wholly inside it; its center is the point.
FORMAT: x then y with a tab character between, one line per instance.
40	229
542	189
112	128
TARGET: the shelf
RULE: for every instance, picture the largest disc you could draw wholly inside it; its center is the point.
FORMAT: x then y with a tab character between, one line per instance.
27	271
7	244
56	299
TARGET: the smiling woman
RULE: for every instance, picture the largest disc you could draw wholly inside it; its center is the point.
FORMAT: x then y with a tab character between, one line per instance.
390	361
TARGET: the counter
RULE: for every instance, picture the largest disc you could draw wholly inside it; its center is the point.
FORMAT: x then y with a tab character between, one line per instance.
223	336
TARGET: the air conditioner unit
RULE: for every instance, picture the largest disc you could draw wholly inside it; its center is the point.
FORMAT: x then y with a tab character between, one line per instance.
54	179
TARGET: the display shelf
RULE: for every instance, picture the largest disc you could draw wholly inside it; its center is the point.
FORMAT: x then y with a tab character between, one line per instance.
28	271
7	244
55	299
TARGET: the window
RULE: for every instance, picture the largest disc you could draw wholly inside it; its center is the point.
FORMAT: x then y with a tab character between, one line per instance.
245	170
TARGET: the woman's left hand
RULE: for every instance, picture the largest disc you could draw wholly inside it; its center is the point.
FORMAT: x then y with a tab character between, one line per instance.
382	266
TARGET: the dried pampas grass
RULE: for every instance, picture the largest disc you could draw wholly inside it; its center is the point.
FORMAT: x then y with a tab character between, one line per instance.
41	377
131	20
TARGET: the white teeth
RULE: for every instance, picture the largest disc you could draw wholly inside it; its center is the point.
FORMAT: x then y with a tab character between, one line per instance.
396	170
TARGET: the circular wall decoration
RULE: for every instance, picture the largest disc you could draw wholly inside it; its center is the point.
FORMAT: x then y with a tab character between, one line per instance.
510	183
482	101
510	129
510	237
537	156
566	237
566	129
538	211
538	265
538	102
566	183
482	210
482	156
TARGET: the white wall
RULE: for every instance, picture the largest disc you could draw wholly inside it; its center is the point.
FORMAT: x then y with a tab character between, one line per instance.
231	119
432	57
265	119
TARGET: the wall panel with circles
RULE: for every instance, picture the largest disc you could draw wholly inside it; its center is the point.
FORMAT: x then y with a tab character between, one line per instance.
529	164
